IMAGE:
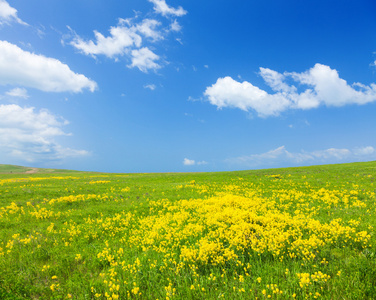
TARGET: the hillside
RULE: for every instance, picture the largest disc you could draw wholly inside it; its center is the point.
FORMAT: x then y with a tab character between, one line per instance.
13	169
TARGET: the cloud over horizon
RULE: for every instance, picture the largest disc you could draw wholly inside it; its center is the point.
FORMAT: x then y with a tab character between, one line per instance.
28	135
280	156
320	85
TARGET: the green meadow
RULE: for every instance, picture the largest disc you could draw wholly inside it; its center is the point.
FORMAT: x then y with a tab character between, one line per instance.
293	233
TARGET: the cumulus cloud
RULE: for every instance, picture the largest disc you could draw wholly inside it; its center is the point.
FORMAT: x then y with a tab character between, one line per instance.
320	85
144	59
130	38
18	93
28	135
161	7
8	14
331	90
119	42
280	156
227	92
19	67
126	40
188	162
191	162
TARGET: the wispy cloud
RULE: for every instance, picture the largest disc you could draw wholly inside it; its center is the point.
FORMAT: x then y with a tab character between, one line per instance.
161	7
175	26
151	87
323	87
280	156
18	93
23	68
29	136
149	29
8	14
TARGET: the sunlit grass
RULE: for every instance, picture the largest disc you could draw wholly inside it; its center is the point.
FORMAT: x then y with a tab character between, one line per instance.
302	233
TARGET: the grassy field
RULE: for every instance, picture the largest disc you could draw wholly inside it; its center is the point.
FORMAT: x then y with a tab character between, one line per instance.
4	169
10	169
297	233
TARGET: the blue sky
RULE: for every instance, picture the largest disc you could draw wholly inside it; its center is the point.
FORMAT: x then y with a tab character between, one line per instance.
185	86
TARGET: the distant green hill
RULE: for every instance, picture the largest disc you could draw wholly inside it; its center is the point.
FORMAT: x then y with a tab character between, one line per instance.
12	169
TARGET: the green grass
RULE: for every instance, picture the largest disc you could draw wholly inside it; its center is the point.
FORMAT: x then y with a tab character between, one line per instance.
13	169
10	169
302	233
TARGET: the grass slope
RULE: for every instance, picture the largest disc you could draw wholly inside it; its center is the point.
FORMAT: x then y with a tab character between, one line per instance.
13	169
294	233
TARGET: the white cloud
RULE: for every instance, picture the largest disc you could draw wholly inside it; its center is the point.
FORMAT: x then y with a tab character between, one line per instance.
161	7
331	90
280	156
126	39
190	98
121	39
323	86
364	151
188	162
151	87
175	26
332	153
9	14
148	29
130	38
227	92
27	135
191	162
18	93
275	81
144	59
19	67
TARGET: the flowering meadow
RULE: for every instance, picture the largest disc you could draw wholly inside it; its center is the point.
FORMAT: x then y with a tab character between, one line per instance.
297	233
